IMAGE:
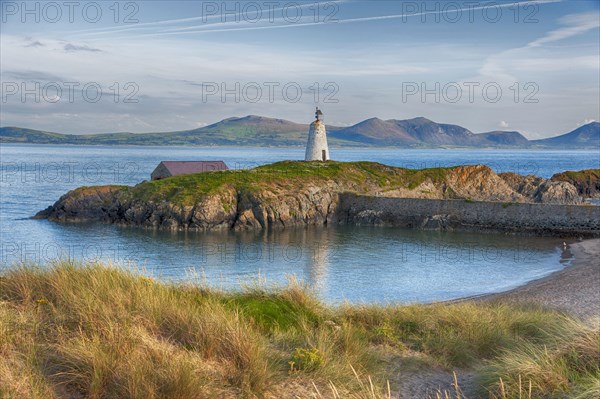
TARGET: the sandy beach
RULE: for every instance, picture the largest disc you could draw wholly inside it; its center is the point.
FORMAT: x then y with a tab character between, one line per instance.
575	289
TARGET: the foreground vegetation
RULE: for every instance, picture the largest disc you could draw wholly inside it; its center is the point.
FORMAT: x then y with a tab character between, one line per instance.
94	331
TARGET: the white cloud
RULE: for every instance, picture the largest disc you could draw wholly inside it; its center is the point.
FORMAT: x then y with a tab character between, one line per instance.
574	24
503	124
535	59
239	18
279	22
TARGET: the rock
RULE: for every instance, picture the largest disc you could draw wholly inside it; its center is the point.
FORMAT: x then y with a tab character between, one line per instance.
524	185
82	204
542	190
480	183
587	181
440	222
555	192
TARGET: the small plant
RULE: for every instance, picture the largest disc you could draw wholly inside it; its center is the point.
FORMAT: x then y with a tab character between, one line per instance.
385	334
306	359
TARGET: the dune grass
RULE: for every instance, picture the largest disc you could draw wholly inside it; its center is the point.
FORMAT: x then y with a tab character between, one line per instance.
567	367
94	331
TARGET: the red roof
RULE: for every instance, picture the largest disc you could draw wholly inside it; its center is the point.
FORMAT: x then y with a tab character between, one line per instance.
187	167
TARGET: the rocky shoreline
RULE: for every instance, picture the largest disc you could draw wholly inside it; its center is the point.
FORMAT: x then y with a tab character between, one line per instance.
318	193
534	219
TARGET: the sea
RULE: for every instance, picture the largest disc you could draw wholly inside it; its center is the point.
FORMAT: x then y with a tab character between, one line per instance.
341	263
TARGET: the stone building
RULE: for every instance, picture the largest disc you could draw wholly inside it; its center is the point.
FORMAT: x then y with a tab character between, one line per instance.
176	168
316	148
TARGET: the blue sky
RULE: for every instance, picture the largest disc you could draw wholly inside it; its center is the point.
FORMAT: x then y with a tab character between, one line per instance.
531	66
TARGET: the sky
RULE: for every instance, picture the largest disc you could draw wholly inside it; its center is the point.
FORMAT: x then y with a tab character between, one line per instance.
153	66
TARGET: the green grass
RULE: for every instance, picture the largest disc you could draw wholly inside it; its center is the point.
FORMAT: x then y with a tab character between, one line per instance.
568	366
579	176
586	181
95	331
418	176
288	175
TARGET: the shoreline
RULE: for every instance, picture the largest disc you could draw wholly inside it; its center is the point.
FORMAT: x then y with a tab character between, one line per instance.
361	146
574	289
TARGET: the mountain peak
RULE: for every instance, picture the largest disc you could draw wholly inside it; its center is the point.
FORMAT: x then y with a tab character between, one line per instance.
420	119
247	118
583	136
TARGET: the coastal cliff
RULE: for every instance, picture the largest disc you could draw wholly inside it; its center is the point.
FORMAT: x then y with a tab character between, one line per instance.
291	193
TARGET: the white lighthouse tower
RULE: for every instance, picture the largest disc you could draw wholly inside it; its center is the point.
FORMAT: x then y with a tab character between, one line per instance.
316	148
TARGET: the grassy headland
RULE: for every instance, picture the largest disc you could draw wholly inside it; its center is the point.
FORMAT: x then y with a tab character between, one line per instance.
295	193
289	175
72	331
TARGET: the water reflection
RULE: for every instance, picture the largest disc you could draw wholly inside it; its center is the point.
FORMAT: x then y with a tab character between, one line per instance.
368	264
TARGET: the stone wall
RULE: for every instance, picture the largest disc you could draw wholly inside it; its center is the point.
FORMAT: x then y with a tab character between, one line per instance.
527	218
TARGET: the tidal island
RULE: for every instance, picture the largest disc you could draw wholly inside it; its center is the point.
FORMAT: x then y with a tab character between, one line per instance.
293	193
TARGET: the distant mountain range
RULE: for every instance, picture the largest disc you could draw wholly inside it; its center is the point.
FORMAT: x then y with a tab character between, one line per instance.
255	130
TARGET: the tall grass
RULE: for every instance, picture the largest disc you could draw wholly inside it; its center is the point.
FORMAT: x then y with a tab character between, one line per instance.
461	334
568	366
93	331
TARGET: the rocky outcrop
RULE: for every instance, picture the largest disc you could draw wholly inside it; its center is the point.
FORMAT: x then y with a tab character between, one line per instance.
83	204
587	181
227	209
541	190
292	193
477	182
480	183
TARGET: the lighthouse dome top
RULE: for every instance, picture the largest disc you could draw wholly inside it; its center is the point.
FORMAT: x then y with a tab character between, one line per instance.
318	114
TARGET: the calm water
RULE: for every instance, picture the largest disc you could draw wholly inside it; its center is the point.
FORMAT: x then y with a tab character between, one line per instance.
357	264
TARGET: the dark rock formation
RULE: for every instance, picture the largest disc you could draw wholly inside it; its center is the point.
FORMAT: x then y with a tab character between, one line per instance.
83	204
